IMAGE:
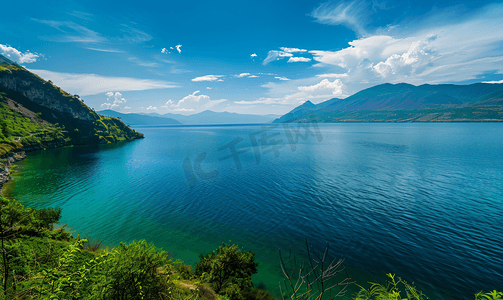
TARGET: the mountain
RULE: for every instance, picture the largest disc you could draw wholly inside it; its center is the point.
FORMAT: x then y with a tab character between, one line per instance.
139	119
405	102
35	114
211	117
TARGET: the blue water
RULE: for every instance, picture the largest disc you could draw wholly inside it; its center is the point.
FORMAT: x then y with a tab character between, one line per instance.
424	201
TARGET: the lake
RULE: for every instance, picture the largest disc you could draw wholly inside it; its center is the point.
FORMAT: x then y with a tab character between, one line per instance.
422	200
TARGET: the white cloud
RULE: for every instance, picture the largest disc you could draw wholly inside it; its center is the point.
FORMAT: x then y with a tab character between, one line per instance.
15	55
494	82
92	84
253	55
253	76
114	100
72	33
178	48
452	50
165	51
243	75
168	104
292	50
325	87
412	62
281	78
208	78
104	50
317	92
208	88
183	109
152	108
143	63
352	14
134	35
298	59
284	53
333	75
276	55
193	103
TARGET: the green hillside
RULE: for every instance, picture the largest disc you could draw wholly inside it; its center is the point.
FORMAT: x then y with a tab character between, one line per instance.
35	114
408	103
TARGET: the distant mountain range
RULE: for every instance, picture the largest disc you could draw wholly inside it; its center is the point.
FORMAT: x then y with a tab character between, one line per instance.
206	117
408	103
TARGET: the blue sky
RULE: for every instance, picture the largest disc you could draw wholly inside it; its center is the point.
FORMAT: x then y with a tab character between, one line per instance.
258	57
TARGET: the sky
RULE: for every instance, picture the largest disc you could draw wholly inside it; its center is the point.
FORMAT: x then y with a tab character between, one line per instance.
253	57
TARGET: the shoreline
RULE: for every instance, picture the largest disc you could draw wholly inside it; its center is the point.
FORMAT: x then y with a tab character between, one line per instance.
5	170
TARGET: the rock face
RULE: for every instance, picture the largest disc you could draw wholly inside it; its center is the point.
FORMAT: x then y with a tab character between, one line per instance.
36	114
45	94
8	160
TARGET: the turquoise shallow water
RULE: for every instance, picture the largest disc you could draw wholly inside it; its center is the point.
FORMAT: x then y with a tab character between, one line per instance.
424	201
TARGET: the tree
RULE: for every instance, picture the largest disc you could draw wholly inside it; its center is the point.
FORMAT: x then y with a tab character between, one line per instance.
228	270
12	216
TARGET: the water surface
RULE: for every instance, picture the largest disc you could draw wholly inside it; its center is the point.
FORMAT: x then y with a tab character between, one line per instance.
424	201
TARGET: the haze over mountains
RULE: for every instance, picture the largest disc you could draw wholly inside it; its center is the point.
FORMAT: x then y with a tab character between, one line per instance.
400	102
405	102
206	117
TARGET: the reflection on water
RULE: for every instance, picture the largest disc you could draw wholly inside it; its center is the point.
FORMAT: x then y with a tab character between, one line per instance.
420	200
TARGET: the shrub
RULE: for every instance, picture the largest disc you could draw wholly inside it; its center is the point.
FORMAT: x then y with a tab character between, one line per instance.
130	272
206	292
228	270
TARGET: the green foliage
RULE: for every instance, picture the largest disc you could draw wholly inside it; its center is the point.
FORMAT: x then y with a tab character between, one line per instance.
29	125
131	272
46	218
185	271
392	291
206	293
494	295
228	270
258	294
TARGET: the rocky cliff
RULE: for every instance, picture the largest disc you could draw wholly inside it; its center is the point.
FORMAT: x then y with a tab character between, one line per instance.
35	114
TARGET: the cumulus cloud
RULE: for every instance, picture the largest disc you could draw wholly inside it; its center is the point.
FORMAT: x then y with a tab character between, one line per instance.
292	50
208	78
411	62
178	48
281	78
16	55
253	55
317	92
114	100
152	108
248	75
284	53
92	84
164	51
194	102
298	59
324	87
